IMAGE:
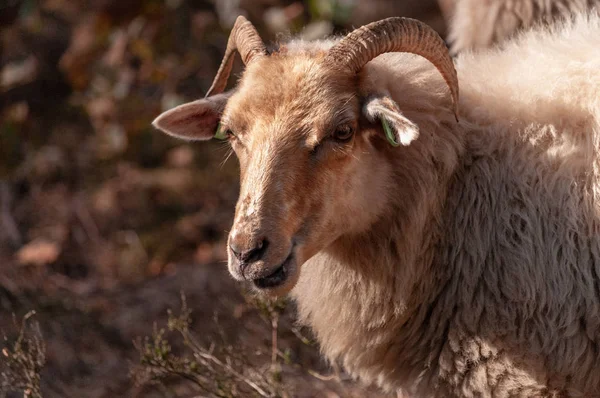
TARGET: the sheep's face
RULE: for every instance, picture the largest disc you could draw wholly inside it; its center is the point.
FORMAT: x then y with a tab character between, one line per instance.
295	126
311	168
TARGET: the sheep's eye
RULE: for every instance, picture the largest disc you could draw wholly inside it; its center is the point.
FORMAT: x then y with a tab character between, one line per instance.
343	133
223	133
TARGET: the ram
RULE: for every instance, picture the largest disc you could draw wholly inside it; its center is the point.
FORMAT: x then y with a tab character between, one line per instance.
436	246
481	23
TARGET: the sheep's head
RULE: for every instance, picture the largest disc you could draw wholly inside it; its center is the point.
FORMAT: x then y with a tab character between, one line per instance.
309	142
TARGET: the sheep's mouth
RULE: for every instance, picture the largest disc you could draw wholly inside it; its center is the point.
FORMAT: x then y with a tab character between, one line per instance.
278	277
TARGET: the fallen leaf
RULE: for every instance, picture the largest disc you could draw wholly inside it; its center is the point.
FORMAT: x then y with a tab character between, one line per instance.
38	252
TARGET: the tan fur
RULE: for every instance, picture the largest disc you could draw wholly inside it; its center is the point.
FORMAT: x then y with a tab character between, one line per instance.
466	264
481	23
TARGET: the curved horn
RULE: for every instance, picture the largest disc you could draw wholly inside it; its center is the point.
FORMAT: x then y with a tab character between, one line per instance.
396	35
245	39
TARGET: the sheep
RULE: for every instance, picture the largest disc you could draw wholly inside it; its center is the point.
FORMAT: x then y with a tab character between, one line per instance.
479	24
434	250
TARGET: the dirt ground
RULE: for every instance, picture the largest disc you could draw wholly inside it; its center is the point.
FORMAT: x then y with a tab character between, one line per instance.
104	222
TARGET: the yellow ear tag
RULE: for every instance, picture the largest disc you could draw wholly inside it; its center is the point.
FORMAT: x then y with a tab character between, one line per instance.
389	134
220	135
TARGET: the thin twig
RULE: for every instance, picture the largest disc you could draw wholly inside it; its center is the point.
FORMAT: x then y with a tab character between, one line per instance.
234	373
201	353
6	219
323	377
274	330
87	221
300	336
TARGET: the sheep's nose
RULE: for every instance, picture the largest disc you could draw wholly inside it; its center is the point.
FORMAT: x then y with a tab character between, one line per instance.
248	251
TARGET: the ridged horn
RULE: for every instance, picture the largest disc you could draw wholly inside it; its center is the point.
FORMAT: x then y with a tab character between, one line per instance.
396	35
245	39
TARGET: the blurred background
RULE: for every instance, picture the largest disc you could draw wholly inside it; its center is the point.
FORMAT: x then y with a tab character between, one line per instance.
104	221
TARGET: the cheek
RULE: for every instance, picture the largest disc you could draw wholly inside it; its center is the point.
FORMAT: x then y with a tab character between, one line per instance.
324	222
358	193
298	195
326	196
338	183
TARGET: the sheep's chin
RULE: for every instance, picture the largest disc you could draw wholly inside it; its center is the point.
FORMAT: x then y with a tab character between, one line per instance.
285	287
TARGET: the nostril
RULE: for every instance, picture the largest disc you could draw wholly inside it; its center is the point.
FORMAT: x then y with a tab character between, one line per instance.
248	256
257	253
235	250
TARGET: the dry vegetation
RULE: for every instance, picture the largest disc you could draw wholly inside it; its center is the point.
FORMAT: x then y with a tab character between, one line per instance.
23	360
219	368
103	222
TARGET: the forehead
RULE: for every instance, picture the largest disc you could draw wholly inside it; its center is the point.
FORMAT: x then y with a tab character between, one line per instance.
292	89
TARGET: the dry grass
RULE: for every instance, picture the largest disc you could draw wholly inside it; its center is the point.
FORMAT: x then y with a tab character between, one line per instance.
220	369
23	360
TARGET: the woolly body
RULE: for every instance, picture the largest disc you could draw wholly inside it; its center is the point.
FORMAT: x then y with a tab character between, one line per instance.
482	277
481	23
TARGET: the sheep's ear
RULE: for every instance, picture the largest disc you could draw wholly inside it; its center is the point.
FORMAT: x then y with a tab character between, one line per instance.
397	128
197	120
